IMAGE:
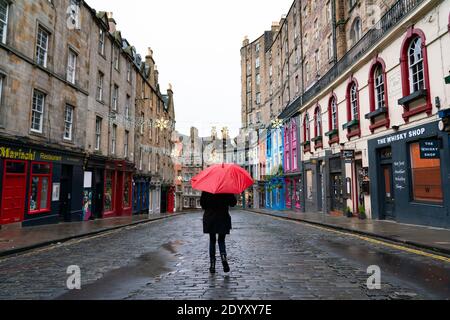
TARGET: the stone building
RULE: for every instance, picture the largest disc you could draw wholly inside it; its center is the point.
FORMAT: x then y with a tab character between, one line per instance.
44	90
68	82
368	109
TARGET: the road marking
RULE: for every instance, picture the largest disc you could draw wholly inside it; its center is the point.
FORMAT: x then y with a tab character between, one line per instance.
368	239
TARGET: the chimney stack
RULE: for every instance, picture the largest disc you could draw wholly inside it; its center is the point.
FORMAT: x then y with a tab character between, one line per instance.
246	42
112	22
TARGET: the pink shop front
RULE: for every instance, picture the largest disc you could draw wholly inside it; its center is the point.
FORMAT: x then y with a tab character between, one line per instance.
294	192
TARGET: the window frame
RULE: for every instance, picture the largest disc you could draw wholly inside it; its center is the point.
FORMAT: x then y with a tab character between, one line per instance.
100	86
101	41
411	176
72	69
38	47
408	96
41	113
98	133
318	130
114	139
115	98
72	108
3	36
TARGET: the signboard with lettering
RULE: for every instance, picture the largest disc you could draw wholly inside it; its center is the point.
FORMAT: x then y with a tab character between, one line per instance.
28	154
348	155
402	136
430	149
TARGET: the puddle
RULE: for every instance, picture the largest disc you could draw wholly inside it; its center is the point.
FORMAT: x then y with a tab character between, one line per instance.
118	284
432	279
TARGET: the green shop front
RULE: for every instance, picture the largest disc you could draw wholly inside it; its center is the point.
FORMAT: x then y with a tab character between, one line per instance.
39	184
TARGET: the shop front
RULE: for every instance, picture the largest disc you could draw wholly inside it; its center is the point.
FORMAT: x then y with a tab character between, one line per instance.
336	177
39	184
275	194
118	189
141	194
95	167
294	192
313	173
409	176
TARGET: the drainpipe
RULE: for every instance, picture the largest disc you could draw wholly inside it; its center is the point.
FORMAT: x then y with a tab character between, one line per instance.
301	55
333	12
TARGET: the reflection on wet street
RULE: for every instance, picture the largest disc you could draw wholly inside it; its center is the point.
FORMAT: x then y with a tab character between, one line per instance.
269	258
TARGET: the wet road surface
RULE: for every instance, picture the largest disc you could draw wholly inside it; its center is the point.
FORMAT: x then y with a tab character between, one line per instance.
270	259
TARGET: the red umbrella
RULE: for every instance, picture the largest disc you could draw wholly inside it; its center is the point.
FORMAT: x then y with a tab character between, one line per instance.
222	178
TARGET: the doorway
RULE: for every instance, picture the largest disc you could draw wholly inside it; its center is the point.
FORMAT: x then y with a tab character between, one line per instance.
387	194
98	194
66	193
14	192
337	192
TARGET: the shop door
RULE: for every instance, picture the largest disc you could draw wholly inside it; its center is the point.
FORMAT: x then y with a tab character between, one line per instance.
320	188
66	193
14	191
337	192
387	193
98	194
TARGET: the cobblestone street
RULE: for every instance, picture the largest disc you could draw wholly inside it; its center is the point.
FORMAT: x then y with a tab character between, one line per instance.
270	258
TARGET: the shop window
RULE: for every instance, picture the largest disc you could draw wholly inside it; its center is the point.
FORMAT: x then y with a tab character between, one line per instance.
127	191
110	182
426	177
41	180
378	98
309	184
415	77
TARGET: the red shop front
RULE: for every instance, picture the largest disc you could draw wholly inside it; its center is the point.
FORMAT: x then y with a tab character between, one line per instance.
118	189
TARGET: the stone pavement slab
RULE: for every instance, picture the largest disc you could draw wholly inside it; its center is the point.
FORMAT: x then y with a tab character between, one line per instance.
435	239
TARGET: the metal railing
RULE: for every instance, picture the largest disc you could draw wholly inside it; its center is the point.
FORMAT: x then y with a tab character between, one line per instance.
392	17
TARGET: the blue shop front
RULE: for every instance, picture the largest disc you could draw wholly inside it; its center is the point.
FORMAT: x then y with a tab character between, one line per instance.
410	176
141	194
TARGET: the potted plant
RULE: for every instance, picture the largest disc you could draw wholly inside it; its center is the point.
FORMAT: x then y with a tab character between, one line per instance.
348	212
362	213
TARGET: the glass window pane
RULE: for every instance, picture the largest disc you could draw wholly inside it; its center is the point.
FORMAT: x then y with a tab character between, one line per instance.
15	167
34	193
109	191
426	177
44	193
41	168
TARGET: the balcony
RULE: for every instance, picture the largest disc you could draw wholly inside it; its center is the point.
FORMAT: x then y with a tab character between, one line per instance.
400	10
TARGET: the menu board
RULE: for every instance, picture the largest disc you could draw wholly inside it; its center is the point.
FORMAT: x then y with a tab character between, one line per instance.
400	175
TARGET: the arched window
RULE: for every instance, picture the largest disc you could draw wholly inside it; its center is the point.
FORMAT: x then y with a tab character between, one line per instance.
318	122
415	64
415	75
355	30
379	87
378	98
333	114
354	105
352	97
307	129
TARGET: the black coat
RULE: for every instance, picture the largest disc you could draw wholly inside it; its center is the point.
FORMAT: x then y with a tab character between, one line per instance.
217	219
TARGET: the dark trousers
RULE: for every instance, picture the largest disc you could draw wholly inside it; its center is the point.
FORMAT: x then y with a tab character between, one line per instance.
212	245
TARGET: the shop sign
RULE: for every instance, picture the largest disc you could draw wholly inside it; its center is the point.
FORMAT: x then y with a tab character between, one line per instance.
31	155
430	149
56	190
402	136
348	155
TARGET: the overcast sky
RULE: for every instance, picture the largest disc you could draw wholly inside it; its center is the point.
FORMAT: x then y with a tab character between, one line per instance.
196	46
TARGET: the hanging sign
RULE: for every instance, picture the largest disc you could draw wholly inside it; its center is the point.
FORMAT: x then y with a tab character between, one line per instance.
348	155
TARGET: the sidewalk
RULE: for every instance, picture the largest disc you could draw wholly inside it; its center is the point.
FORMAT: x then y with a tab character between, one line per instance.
429	238
15	239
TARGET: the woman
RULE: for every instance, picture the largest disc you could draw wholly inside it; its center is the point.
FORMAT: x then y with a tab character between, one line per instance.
217	221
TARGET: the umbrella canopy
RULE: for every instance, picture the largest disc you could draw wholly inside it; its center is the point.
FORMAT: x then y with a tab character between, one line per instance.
222	178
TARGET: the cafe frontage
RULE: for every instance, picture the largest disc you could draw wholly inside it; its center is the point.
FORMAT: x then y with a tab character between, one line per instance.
39	184
410	176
